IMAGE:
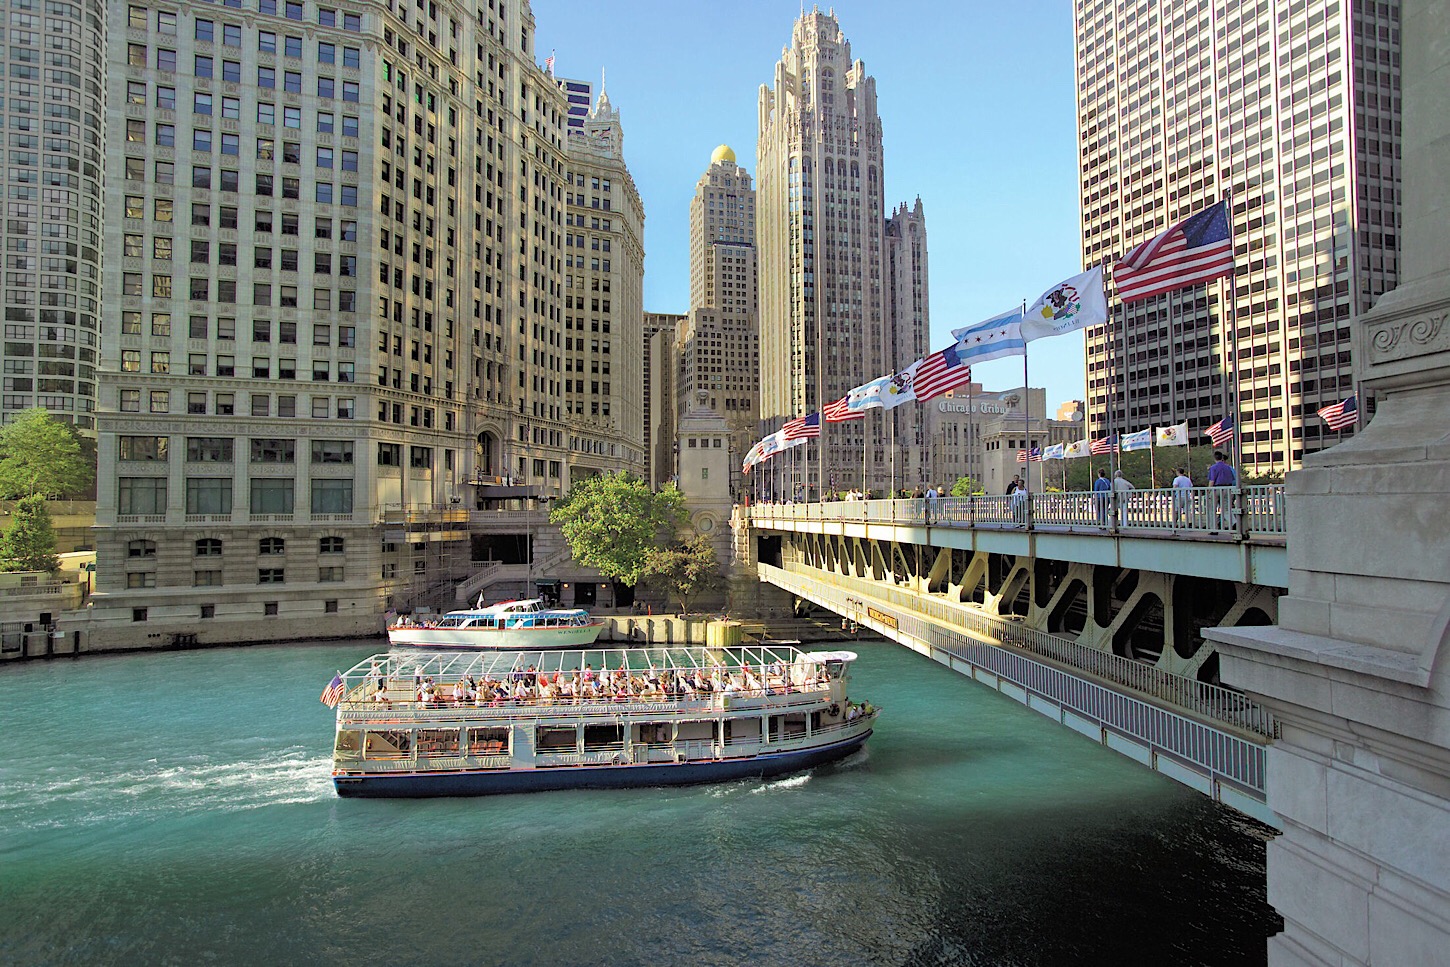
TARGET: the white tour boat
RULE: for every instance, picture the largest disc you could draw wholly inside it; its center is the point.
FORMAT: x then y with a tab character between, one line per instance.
506	626
466	725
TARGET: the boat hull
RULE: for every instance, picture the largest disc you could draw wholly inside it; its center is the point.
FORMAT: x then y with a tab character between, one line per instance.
500	781
496	639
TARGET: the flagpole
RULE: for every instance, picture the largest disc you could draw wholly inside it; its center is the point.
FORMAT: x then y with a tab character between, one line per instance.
1026	408
1233	346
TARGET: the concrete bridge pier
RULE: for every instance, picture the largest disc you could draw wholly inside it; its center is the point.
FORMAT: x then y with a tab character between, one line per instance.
1358	670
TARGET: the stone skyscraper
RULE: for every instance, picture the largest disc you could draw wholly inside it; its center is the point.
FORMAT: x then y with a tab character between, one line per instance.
366	278
1292	107
719	342
828	306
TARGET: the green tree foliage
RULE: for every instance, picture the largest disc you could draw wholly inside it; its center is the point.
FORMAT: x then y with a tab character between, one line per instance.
40	456
965	487
612	521
684	569
29	544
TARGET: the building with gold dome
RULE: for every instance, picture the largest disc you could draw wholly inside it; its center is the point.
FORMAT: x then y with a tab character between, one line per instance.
718	342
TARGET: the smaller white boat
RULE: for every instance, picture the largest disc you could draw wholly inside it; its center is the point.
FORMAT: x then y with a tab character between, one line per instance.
506	626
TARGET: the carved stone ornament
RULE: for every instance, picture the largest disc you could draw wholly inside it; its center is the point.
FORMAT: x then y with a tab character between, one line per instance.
1403	338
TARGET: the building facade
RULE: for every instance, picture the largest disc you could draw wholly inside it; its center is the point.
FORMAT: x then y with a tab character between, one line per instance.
975	433
339	279
827	307
1291	109
55	114
719	342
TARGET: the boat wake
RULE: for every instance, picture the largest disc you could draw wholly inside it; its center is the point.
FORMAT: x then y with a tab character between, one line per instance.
775	785
197	784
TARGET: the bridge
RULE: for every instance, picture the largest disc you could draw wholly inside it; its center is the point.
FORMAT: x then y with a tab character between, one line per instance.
1087	607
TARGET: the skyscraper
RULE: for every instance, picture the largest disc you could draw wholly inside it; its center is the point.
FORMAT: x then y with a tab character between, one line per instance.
828	312
54	113
348	312
1293	110
719	352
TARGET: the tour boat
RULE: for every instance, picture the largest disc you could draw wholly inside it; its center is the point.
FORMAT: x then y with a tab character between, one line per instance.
506	626
452	724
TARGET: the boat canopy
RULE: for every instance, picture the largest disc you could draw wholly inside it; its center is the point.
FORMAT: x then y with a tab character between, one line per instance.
822	657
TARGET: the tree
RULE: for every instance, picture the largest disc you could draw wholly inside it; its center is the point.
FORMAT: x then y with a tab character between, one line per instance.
684	569
40	456
29	544
612	521
965	487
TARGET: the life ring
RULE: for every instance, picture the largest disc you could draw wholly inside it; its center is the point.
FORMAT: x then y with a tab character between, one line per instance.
835	710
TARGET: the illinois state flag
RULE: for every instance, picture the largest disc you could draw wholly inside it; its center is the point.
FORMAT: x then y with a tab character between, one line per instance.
1173	436
1081	448
1072	304
900	387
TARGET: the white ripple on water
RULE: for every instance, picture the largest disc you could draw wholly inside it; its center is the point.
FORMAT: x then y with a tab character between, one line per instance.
793	782
197	784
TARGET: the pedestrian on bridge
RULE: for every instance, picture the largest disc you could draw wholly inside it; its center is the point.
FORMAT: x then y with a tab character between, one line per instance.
1121	487
1182	495
1102	496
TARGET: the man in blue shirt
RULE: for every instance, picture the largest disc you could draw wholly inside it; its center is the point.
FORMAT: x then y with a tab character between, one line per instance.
1220	474
1102	494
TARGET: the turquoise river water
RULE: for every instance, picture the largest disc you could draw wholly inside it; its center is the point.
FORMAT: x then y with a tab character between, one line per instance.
175	809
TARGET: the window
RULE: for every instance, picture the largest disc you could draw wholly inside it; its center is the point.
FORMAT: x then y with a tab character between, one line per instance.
271	450
141	549
204	579
208	547
292	46
269	608
166	98
203	66
138	614
331	451
330	605
130	401
271	496
330	545
267	42
271	575
422	457
326	574
201	103
390	455
141	579
324	122
205	449
166	135
272	545
266	114
292	82
332	496
208	495
160	401
141	495
205	29
266	77
142	447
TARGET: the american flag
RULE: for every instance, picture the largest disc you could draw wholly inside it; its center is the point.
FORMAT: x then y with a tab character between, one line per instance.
940	372
1107	444
1341	415
803	427
1021	456
332	694
1035	455
1197	249
837	412
1221	432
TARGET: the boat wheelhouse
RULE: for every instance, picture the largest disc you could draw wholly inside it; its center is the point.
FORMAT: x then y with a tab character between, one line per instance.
419	724
508	625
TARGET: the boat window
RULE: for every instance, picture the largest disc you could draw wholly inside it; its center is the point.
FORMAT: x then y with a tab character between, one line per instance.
488	741
349	744
388	745
437	742
787	726
742	730
555	739
696	731
654	733
603	737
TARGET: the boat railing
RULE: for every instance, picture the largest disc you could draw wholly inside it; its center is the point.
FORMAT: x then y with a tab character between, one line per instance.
356	707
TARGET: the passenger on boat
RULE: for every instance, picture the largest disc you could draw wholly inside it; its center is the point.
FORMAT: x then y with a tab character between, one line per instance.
380	695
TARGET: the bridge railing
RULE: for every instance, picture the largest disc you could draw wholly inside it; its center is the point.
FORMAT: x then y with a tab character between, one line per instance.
1247	513
1203	698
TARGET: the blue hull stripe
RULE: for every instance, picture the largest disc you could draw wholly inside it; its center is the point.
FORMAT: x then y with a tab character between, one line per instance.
424	784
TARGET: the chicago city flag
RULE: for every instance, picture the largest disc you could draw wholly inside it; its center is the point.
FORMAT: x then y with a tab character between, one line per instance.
1142	440
992	338
1173	436
867	395
1054	452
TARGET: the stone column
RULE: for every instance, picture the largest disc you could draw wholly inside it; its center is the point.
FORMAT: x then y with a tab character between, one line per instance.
1354	670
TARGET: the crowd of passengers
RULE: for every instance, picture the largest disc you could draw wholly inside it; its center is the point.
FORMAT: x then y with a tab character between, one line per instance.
586	684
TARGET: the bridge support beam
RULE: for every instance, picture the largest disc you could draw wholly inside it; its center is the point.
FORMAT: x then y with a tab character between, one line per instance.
1358	671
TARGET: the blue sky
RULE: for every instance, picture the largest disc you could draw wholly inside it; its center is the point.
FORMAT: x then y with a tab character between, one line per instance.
977	107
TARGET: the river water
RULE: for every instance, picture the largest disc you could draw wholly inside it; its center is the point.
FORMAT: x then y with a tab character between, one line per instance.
175	809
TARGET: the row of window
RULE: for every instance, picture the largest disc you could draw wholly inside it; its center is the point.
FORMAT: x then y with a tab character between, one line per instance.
213	495
202	579
167	21
221	449
212	547
269	608
225	404
225	291
225	328
225	366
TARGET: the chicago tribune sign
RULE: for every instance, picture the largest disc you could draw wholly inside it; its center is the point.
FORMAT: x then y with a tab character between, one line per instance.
1004	403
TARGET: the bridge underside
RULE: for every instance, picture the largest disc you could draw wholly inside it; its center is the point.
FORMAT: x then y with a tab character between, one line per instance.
1150	616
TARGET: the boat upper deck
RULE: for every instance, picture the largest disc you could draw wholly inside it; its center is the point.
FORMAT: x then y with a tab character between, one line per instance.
429	686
